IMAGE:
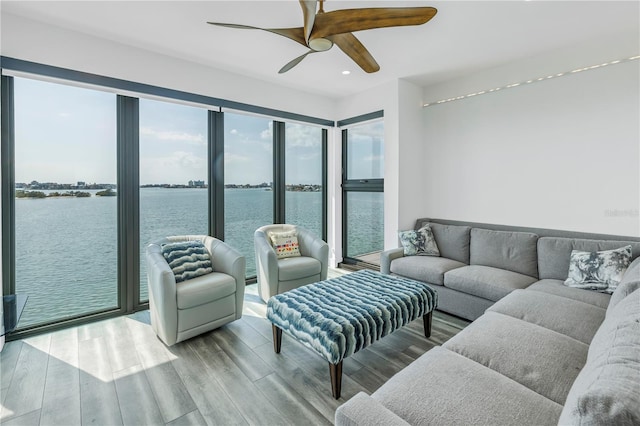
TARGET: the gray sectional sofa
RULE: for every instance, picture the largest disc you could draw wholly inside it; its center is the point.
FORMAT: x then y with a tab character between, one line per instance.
481	263
538	352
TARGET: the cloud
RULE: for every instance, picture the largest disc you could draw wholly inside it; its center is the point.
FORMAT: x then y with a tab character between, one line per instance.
307	157
234	131
266	134
177	167
299	135
187	160
230	158
195	139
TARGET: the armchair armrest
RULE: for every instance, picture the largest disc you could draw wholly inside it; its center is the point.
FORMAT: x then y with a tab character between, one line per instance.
162	295
387	256
364	410
227	260
313	246
266	262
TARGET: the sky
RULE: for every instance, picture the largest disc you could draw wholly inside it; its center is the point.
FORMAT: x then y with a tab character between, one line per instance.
67	134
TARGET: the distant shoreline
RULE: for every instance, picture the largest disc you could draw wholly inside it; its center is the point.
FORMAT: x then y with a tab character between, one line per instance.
109	192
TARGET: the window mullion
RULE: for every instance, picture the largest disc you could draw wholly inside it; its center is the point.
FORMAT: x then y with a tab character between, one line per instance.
216	174
128	202
279	185
8	186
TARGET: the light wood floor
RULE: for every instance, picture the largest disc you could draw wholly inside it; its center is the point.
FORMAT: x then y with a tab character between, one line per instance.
118	372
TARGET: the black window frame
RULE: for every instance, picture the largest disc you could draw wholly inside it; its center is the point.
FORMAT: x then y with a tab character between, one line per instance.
128	173
355	185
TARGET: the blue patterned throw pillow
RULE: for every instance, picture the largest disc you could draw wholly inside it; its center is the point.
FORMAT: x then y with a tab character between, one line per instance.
598	270
419	243
187	259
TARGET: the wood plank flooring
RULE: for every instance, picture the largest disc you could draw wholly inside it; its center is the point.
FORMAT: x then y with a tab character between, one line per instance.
117	372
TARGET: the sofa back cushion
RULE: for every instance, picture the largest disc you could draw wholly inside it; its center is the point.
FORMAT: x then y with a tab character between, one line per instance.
554	253
513	251
607	390
630	283
452	240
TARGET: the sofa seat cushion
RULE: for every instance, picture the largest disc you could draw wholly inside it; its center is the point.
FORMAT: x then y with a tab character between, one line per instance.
443	388
293	268
607	390
426	269
545	361
204	289
364	410
485	281
570	317
558	288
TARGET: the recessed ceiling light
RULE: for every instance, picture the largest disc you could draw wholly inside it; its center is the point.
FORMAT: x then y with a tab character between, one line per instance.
346	72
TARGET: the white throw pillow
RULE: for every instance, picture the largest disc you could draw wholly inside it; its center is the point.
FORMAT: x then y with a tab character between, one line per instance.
598	270
285	244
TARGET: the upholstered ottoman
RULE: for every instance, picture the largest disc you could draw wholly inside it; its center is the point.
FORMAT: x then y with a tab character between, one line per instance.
340	316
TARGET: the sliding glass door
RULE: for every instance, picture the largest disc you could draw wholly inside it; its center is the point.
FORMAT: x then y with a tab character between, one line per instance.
248	181
173	175
363	192
303	177
65	201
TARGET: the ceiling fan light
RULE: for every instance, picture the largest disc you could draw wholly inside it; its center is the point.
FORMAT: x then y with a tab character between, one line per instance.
320	44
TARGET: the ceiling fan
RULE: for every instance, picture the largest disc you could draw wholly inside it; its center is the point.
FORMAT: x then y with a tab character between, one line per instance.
322	29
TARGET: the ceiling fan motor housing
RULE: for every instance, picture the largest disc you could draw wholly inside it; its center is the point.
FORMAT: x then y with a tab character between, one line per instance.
320	44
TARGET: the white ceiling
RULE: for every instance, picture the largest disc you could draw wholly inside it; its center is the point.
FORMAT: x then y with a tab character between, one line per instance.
463	37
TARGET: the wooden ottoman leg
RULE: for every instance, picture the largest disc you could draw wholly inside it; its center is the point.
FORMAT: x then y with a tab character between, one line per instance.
277	338
336	379
427	319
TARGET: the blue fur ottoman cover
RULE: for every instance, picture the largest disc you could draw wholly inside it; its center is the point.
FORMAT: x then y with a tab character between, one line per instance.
340	316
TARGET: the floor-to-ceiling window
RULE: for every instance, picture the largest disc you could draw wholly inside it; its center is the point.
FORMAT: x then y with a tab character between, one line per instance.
303	176
90	177
65	203
248	177
363	196
173	175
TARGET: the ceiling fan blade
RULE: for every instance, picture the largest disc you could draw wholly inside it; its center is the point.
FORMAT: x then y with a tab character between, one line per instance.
350	20
350	45
309	14
295	34
295	62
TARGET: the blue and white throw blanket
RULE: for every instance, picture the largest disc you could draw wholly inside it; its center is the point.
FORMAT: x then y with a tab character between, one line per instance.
340	316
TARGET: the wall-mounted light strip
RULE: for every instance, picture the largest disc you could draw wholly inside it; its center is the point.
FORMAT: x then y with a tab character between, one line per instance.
533	80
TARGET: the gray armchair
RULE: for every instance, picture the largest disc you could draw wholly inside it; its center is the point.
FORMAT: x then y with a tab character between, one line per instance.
279	275
184	310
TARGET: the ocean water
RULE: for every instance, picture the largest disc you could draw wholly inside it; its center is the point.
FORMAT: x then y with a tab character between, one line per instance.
66	248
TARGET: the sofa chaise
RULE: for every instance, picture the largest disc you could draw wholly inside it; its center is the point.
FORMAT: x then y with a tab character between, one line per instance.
537	353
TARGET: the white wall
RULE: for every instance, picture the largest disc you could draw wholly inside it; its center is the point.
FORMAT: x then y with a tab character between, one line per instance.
562	153
410	166
38	42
